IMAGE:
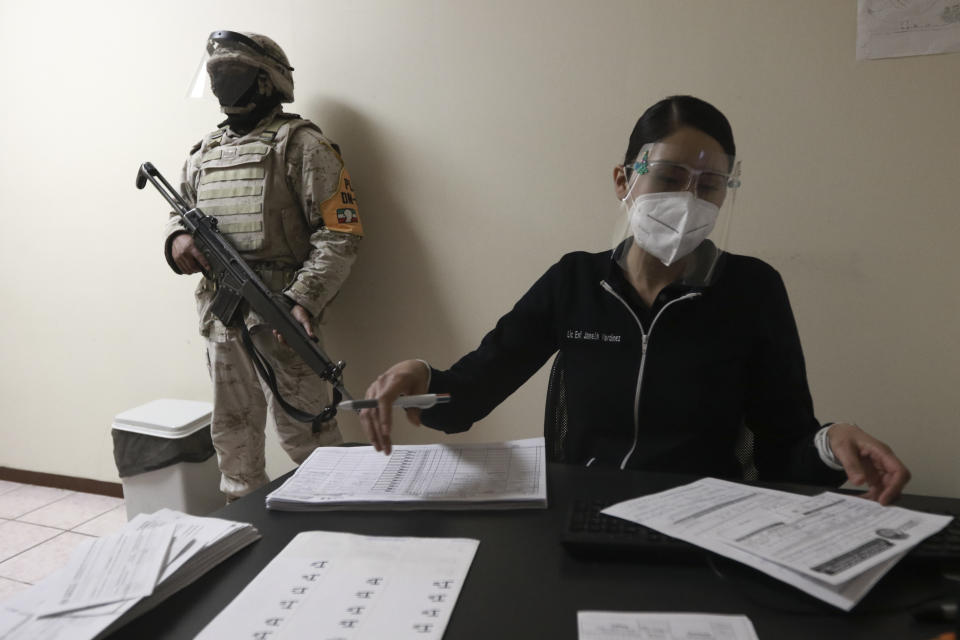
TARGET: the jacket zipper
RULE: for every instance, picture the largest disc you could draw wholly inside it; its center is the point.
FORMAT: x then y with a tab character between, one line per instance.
645	340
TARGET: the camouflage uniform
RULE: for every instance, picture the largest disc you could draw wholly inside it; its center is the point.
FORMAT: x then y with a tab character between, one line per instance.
283	198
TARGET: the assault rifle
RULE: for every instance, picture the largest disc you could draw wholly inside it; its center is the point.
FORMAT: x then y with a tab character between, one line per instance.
236	283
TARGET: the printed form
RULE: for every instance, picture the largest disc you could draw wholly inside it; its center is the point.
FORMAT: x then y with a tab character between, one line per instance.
342	586
500	475
832	546
609	625
120	569
122	566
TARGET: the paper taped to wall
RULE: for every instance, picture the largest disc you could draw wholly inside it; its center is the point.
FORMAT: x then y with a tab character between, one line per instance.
895	28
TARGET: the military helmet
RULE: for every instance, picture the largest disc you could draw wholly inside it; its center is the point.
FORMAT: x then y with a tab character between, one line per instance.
255	50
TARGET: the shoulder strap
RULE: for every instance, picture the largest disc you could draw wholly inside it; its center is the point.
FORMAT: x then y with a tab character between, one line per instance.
215	137
270	133
267	375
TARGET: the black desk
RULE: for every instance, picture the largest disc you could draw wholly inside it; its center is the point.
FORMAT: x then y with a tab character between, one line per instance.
522	584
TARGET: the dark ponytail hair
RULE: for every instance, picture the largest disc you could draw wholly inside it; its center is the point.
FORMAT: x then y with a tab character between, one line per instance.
670	114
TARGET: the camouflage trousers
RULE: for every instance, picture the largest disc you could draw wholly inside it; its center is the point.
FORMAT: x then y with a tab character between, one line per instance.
243	406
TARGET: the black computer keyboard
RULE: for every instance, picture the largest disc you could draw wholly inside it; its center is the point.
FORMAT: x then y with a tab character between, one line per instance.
942	547
591	534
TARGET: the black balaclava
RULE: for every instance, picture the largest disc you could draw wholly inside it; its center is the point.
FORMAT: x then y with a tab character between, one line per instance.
246	95
243	123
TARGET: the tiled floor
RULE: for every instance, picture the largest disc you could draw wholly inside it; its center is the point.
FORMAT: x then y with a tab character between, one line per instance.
40	527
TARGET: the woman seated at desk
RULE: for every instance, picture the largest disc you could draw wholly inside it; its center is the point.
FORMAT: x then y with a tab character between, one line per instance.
669	346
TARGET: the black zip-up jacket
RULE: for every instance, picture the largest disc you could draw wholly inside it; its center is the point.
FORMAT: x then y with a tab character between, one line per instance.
661	389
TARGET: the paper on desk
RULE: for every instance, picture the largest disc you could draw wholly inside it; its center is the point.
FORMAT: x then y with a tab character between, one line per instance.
69	626
198	544
830	537
10	620
74	625
122	566
350	587
192	534
497	475
697	511
609	625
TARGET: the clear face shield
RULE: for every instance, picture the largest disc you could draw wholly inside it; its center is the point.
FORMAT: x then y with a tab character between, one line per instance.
676	197
232	75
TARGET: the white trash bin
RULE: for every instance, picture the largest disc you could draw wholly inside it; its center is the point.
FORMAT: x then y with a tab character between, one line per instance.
166	459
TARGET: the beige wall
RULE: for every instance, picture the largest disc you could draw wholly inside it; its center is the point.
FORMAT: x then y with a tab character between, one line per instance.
481	137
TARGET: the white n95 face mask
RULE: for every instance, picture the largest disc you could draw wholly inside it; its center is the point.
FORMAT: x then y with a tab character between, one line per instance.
671	225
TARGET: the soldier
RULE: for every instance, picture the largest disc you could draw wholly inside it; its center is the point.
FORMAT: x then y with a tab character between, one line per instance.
282	196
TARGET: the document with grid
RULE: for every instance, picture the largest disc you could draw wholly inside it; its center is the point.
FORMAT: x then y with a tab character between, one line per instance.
500	475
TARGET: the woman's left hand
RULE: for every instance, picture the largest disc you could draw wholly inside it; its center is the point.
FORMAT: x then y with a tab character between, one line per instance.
868	461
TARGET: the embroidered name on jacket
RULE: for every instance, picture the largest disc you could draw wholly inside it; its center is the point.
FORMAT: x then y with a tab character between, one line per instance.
591	336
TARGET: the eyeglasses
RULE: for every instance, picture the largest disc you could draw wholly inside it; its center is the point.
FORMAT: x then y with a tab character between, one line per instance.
660	175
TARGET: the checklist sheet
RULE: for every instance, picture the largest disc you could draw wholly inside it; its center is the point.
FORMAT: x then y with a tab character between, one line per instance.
470	476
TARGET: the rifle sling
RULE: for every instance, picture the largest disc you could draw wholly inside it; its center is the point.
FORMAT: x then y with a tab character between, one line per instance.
267	374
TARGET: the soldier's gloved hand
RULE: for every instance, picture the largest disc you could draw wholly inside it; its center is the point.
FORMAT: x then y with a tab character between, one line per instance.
186	256
303	317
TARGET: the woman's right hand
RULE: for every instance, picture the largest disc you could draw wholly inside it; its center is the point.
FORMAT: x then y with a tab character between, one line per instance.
407	378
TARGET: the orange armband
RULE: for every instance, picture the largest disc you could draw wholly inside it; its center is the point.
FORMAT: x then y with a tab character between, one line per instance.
340	211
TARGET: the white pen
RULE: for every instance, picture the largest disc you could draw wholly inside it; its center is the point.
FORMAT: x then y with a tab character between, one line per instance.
424	401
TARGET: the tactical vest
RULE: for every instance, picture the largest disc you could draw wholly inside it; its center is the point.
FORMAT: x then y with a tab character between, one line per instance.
243	184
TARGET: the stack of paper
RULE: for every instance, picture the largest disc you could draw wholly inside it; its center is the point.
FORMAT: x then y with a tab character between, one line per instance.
109	581
503	475
346	586
833	546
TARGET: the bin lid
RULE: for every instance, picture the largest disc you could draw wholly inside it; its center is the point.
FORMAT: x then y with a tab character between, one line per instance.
165	418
